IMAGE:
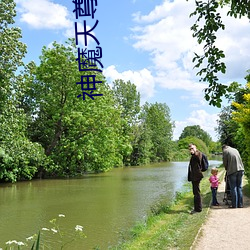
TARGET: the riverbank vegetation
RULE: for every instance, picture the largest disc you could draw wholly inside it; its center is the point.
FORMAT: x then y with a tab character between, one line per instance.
170	226
46	131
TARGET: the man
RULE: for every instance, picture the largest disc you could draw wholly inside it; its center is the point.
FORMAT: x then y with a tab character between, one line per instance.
235	170
195	175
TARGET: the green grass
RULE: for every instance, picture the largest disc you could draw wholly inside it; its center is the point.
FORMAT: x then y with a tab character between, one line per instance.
246	188
170	226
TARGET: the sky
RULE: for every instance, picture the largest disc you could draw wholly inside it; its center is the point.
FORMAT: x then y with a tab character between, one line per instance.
146	42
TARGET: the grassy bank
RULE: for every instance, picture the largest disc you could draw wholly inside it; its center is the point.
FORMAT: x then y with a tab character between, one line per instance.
170	227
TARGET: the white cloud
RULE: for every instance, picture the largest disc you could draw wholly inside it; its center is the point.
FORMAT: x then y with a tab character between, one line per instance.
143	80
234	41
43	14
208	122
165	33
159	12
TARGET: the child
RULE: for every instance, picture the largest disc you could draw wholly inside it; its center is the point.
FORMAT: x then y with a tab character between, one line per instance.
214	185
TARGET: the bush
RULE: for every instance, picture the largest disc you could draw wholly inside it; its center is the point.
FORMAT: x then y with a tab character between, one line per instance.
20	159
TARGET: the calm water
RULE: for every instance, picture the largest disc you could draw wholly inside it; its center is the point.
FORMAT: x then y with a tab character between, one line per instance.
104	204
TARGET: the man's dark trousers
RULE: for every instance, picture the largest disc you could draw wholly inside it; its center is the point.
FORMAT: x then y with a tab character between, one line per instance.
197	196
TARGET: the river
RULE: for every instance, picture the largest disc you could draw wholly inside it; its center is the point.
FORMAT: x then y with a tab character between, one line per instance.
104	204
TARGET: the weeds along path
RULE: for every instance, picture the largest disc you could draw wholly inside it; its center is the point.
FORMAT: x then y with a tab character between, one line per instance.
225	228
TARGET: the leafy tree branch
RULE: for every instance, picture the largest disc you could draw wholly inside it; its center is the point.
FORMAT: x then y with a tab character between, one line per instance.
205	28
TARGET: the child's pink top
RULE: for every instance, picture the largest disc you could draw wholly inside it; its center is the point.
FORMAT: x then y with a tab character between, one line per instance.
214	181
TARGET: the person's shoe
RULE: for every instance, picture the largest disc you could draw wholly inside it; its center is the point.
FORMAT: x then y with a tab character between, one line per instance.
240	206
194	212
231	206
217	204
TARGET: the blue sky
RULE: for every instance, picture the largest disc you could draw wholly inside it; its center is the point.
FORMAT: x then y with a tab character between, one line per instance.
148	42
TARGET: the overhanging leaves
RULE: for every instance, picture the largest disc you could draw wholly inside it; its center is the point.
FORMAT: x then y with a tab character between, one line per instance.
205	28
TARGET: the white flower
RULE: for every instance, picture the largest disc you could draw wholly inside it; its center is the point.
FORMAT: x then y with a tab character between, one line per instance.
10	242
45	229
78	228
54	230
61	215
29	238
20	243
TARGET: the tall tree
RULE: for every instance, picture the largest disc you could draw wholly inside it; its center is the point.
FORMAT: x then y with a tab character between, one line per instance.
157	121
184	142
12	51
128	100
229	130
241	115
196	131
78	135
19	158
227	127
142	145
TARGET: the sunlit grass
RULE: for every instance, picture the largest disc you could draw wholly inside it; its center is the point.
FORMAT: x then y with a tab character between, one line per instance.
246	187
170	226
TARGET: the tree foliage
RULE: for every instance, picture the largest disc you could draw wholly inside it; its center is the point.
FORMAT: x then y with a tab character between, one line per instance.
157	122
205	28
142	145
242	116
20	158
196	131
45	130
12	51
149	131
127	99
201	146
227	127
77	135
234	120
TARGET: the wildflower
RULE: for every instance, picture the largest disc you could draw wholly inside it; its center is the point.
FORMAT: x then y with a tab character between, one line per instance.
78	228
29	238
61	215
20	243
54	230
10	242
45	229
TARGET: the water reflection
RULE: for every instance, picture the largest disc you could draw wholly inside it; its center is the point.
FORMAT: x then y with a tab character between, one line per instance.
105	204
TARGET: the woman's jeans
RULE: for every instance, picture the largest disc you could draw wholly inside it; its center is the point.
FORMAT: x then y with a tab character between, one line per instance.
214	196
235	182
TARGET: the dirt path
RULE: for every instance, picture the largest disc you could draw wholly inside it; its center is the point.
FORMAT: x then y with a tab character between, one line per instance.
225	228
